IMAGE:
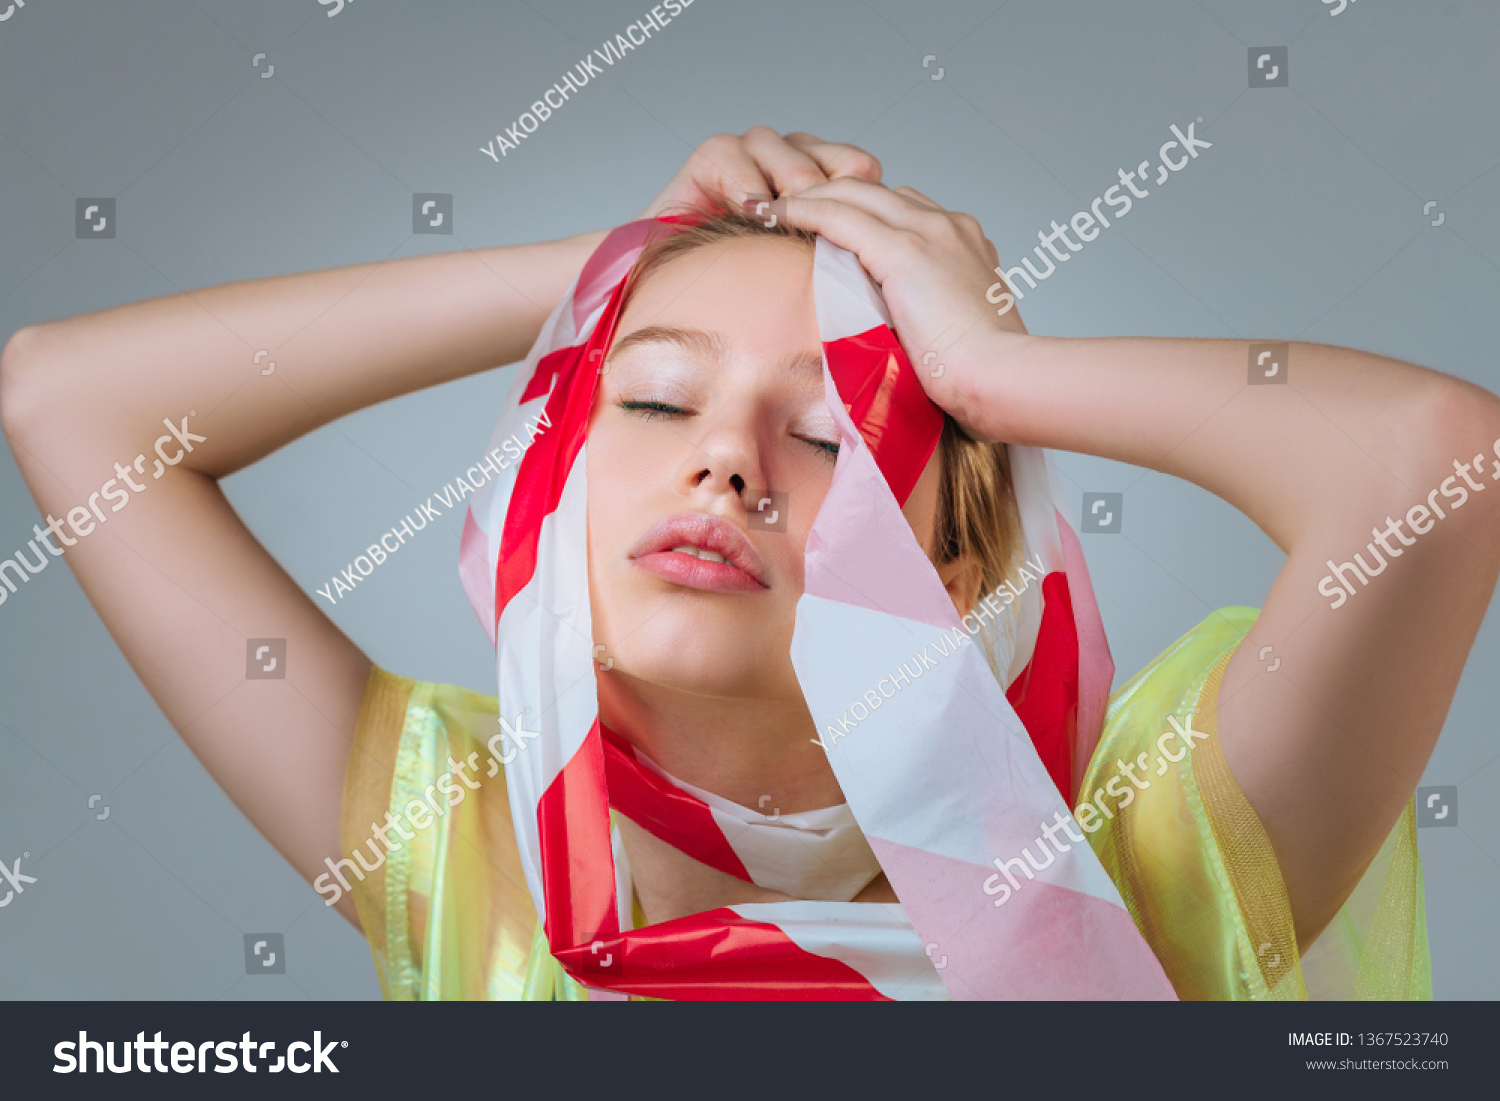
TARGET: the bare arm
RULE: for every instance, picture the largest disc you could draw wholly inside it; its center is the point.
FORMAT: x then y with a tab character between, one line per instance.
1329	747
176	577
178	580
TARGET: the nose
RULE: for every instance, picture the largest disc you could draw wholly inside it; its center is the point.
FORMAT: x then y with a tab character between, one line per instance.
725	461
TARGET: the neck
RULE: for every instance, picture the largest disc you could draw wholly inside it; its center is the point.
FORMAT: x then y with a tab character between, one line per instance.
739	749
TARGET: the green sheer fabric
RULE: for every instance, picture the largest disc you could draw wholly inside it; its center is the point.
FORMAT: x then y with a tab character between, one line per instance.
448	915
1198	873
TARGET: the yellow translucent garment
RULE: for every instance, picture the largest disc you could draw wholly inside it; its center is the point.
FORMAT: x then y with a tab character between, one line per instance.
1196	868
448	914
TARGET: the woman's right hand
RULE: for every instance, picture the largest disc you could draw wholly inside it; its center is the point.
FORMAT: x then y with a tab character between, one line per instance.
760	163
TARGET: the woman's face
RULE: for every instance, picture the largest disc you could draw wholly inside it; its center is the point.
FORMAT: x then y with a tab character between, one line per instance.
711	402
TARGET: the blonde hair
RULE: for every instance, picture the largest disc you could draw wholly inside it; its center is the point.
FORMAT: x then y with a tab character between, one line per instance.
976	510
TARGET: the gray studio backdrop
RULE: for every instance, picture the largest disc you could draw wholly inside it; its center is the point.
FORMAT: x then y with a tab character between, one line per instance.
1350	198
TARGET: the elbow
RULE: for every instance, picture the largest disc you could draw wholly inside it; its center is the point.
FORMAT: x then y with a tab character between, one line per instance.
1455	436
20	401
1461	417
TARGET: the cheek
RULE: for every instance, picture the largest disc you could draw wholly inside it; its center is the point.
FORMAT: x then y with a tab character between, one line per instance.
619	477
626	468
806	478
621	451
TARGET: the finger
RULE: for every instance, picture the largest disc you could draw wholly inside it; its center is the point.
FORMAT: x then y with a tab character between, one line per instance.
967	224
907	208
911	194
880	201
787	168
992	253
837	158
723	166
877	243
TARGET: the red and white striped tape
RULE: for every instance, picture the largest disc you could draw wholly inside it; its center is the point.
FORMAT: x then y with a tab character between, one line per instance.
949	774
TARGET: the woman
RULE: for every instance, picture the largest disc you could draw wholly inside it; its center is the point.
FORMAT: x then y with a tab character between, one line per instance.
1322	757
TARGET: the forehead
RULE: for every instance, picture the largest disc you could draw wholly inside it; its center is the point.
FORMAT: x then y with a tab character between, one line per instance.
751	296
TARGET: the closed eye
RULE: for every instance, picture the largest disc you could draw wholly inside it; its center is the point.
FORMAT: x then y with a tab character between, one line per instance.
650	410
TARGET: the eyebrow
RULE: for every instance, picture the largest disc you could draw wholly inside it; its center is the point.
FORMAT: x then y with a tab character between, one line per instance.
713	348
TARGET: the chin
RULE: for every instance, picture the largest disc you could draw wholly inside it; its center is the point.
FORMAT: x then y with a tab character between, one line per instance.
737	663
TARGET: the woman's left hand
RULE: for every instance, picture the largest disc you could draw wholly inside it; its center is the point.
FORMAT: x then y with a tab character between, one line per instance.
936	271
1327	751
760	162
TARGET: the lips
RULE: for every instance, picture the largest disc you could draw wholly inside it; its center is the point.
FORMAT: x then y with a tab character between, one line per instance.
671	550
